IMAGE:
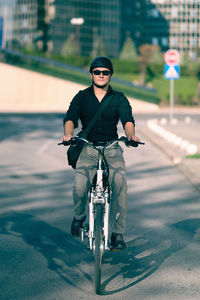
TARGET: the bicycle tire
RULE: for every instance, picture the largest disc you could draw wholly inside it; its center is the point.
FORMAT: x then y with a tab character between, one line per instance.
98	243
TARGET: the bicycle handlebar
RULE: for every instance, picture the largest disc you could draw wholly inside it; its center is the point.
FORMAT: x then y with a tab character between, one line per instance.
123	139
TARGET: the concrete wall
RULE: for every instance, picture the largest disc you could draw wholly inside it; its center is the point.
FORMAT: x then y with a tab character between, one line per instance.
27	91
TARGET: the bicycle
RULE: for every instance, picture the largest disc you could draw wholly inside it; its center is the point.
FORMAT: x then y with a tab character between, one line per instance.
99	194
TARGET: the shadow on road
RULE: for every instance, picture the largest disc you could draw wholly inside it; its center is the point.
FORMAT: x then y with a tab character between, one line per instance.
144	255
62	253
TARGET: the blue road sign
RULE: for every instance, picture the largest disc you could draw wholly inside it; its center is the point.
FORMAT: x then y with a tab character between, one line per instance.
172	71
1	31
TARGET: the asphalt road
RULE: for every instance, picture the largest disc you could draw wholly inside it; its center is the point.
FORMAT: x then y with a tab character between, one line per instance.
38	257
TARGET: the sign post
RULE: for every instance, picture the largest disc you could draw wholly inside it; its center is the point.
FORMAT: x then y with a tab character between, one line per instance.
172	71
171	110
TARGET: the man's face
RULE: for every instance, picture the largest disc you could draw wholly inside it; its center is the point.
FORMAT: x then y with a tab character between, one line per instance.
101	77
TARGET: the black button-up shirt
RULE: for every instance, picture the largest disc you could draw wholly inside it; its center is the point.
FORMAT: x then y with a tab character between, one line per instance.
84	106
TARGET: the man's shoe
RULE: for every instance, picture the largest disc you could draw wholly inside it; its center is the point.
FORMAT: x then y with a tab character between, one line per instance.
76	225
117	242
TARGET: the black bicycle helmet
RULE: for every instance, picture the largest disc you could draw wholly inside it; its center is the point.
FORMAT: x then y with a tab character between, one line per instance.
101	61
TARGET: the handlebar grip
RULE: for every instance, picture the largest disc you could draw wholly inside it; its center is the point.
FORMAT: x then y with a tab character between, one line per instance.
134	143
73	141
65	143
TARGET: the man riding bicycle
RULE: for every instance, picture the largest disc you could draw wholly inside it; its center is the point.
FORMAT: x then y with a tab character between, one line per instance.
84	106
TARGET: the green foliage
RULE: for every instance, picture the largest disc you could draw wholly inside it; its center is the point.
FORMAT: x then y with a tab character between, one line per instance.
195	156
157	69
128	51
190	69
184	89
70	47
29	46
74	60
126	66
186	59
14	44
156	56
98	48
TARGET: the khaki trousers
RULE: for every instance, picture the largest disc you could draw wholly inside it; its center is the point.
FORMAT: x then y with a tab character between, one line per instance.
84	173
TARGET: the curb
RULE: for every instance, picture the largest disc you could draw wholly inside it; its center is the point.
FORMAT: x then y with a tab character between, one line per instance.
172	138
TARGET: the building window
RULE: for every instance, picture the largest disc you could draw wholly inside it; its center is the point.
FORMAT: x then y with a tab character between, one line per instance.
193	13
128	11
174	42
154	13
194	42
164	41
193	28
183	27
174	12
155	41
137	34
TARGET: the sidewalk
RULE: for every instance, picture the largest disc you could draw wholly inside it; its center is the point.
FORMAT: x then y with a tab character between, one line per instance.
177	141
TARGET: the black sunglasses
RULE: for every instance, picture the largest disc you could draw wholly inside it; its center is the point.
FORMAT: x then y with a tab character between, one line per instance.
98	72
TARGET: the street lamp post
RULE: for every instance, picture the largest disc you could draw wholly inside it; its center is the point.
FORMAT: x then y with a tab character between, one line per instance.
4	32
77	22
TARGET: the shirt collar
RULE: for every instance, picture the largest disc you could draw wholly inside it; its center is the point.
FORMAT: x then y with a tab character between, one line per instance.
109	91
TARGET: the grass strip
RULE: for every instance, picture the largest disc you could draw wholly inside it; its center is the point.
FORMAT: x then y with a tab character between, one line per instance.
196	156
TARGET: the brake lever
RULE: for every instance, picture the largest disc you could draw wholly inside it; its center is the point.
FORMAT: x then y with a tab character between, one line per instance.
134	143
130	142
72	141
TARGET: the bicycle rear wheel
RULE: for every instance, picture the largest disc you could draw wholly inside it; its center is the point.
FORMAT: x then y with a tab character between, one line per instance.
98	246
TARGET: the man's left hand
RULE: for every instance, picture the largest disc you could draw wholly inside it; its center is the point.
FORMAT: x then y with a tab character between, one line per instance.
134	138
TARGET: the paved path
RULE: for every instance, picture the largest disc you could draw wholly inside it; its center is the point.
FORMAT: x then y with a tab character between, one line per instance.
39	259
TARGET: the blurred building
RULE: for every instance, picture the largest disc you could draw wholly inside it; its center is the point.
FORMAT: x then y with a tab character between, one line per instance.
93	27
183	19
100	26
26	22
20	21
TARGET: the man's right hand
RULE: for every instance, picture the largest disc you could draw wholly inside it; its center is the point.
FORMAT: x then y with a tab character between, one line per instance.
66	138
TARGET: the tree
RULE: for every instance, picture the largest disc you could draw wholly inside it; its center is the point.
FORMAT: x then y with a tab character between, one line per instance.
98	47
29	46
146	51
42	26
70	46
156	56
128	51
186	59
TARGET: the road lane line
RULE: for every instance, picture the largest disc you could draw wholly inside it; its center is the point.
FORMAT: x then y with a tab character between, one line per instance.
44	147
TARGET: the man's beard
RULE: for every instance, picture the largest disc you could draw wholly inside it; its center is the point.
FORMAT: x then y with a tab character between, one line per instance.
99	86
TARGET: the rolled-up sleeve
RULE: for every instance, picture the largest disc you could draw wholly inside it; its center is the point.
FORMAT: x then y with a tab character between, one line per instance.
125	111
73	113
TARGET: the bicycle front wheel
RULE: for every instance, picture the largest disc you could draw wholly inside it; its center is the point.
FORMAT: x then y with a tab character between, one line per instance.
98	246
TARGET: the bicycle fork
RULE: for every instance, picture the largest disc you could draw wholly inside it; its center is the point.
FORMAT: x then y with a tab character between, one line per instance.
99	195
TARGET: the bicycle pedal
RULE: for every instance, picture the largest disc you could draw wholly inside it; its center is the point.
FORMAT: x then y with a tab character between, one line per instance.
115	249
